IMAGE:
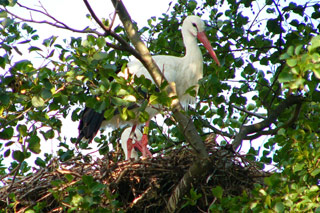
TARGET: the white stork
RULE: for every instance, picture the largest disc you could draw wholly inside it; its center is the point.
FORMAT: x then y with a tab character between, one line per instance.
185	72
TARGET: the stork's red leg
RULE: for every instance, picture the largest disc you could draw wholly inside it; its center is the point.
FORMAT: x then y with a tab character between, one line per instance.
142	144
129	141
144	141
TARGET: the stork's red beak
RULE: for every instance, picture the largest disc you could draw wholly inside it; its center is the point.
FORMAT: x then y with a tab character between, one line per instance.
204	40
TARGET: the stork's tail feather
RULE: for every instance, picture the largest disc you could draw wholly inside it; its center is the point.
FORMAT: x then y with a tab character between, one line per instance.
90	124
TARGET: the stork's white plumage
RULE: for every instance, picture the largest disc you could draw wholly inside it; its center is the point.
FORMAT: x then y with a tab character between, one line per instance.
185	72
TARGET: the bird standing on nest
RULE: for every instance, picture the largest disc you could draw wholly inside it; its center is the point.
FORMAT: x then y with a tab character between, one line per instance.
185	72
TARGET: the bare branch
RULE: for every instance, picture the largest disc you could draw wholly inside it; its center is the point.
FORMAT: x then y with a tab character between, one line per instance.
113	19
57	23
94	16
125	46
289	123
208	125
254	128
248	112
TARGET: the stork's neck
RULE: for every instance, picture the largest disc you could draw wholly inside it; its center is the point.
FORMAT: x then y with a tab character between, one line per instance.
193	52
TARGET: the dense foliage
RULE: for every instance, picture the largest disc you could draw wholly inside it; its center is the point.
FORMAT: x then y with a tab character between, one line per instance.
266	92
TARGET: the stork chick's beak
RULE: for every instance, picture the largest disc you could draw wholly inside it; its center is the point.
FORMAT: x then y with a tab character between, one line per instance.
204	40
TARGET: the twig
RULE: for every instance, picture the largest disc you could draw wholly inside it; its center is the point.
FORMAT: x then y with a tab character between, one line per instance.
15	175
113	18
57	23
248	112
136	200
124	44
94	16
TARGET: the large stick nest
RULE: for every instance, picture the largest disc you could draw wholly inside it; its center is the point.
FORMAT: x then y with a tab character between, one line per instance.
139	186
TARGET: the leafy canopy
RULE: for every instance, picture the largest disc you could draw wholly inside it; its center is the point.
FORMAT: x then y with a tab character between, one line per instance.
268	85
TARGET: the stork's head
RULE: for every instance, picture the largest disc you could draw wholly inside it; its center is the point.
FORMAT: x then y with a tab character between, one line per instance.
195	26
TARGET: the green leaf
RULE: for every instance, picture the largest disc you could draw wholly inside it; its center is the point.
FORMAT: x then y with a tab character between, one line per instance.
24	42
292	62
33	48
279	207
273	26
9	143
24	65
143	117
285	77
49	41
118	101
22	129
315	172
101	42
315	43
131	114
7	153
3	14
316	73
100	55
129	98
37	101
69	177
34	144
40	162
6	133
298	49
290	50
48	134
153	99
46	94
4	99
284	56
297	167
76	200
109	113
51	54
217	192
87	179
314	188
124	114
18	156
12	2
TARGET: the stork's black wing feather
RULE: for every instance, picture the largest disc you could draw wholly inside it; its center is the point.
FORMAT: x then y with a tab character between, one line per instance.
91	120
90	124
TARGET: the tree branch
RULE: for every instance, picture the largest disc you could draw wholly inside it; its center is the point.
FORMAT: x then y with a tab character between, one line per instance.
248	112
95	17
289	123
57	23
246	130
124	44
185	123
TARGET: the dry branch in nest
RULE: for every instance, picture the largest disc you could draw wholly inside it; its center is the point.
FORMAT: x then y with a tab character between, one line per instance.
136	186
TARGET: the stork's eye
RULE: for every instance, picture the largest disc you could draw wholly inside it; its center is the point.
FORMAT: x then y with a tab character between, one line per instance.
193	24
